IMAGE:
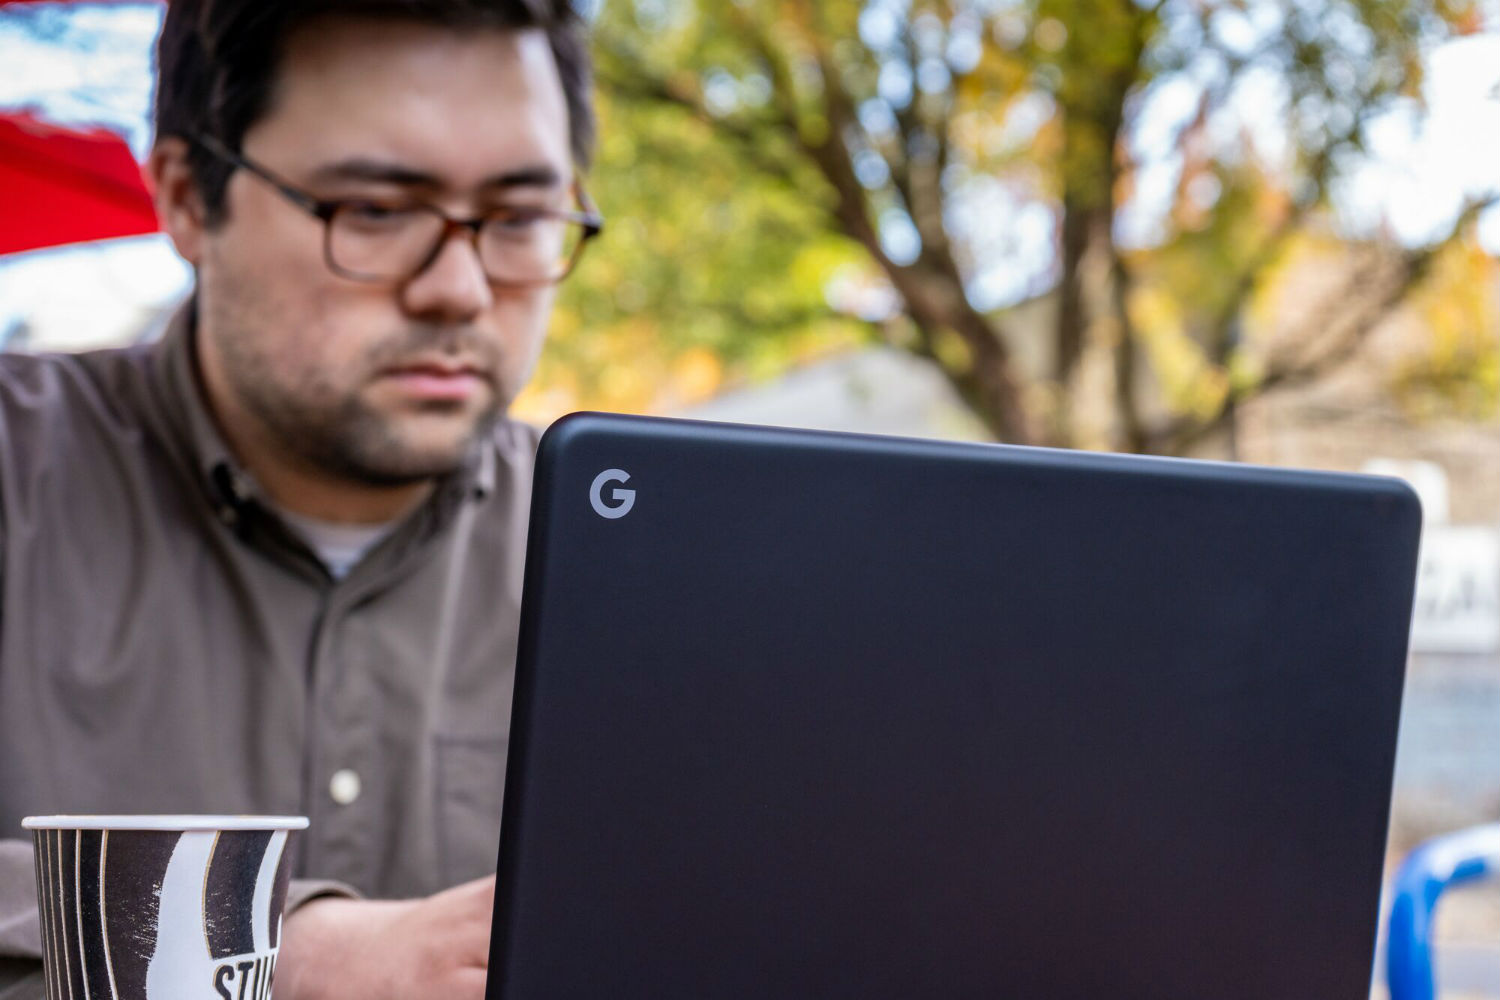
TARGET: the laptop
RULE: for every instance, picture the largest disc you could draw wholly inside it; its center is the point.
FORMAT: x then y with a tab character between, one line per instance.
805	715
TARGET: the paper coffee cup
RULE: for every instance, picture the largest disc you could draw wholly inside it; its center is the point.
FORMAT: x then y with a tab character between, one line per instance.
161	907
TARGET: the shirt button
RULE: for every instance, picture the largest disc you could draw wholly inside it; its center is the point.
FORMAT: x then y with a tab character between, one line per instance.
343	787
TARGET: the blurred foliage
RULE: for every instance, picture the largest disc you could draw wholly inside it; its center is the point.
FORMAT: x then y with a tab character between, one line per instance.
777	173
1459	372
708	274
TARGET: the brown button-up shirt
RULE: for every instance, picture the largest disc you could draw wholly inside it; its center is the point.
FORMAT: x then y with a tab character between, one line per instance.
168	645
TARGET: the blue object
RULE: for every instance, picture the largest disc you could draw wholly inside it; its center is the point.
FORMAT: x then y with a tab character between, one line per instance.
1430	869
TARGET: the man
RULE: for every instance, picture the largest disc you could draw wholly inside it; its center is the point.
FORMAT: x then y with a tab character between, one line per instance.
271	564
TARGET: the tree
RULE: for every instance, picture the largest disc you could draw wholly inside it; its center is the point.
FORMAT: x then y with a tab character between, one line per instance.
706	271
881	135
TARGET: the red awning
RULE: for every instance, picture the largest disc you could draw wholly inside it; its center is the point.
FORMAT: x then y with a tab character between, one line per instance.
62	186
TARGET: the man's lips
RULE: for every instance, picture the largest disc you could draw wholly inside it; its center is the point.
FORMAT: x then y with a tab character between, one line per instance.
436	380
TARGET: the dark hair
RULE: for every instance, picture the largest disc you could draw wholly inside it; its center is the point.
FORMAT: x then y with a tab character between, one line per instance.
217	60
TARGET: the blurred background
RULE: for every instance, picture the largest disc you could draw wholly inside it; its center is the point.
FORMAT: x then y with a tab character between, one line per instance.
1255	230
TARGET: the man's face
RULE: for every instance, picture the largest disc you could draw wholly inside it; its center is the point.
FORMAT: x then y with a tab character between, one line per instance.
381	384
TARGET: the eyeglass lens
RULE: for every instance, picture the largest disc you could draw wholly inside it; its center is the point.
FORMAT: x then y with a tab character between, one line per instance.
383	242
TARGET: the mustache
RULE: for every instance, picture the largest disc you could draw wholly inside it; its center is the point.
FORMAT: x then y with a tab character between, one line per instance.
428	340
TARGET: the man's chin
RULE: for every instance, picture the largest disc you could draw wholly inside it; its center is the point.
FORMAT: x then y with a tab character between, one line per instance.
396	469
413	449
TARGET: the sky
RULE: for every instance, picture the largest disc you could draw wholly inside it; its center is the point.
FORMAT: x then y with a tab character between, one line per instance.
91	63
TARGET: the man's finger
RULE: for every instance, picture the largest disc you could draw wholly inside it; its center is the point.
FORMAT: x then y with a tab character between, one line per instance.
477	896
472	944
468	983
478	889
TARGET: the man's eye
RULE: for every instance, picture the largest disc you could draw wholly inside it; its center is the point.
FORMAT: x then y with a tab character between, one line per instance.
372	215
521	225
518	219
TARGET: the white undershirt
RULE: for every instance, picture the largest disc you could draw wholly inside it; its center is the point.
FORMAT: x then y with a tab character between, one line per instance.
340	546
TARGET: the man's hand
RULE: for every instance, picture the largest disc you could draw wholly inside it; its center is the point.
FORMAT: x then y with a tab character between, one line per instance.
389	950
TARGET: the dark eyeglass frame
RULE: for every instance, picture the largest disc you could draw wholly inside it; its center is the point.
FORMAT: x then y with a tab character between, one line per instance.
325	209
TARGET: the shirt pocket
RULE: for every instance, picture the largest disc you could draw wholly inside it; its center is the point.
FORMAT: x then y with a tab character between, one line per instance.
470	790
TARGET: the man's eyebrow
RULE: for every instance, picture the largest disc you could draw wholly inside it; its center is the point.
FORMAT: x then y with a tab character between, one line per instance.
541	176
375	170
384	172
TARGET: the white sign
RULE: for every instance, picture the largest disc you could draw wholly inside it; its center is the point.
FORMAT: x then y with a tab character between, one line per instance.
1458	591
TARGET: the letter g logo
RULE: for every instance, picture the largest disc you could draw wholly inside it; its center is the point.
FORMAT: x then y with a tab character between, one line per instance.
624	499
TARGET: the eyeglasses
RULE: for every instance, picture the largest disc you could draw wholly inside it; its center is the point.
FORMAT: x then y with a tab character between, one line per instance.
394	241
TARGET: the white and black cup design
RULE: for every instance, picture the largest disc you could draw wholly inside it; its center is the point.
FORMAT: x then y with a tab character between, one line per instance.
161	908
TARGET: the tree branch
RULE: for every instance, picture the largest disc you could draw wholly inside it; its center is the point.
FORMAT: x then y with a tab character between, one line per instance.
1127	355
640	82
1220	338
932	289
1339	331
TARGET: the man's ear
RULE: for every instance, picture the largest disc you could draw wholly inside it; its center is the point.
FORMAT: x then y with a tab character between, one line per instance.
178	207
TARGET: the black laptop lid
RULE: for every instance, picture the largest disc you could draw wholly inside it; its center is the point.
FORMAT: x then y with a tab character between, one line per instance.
832	716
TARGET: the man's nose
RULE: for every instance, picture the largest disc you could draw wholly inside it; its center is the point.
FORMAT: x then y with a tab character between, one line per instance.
452	287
